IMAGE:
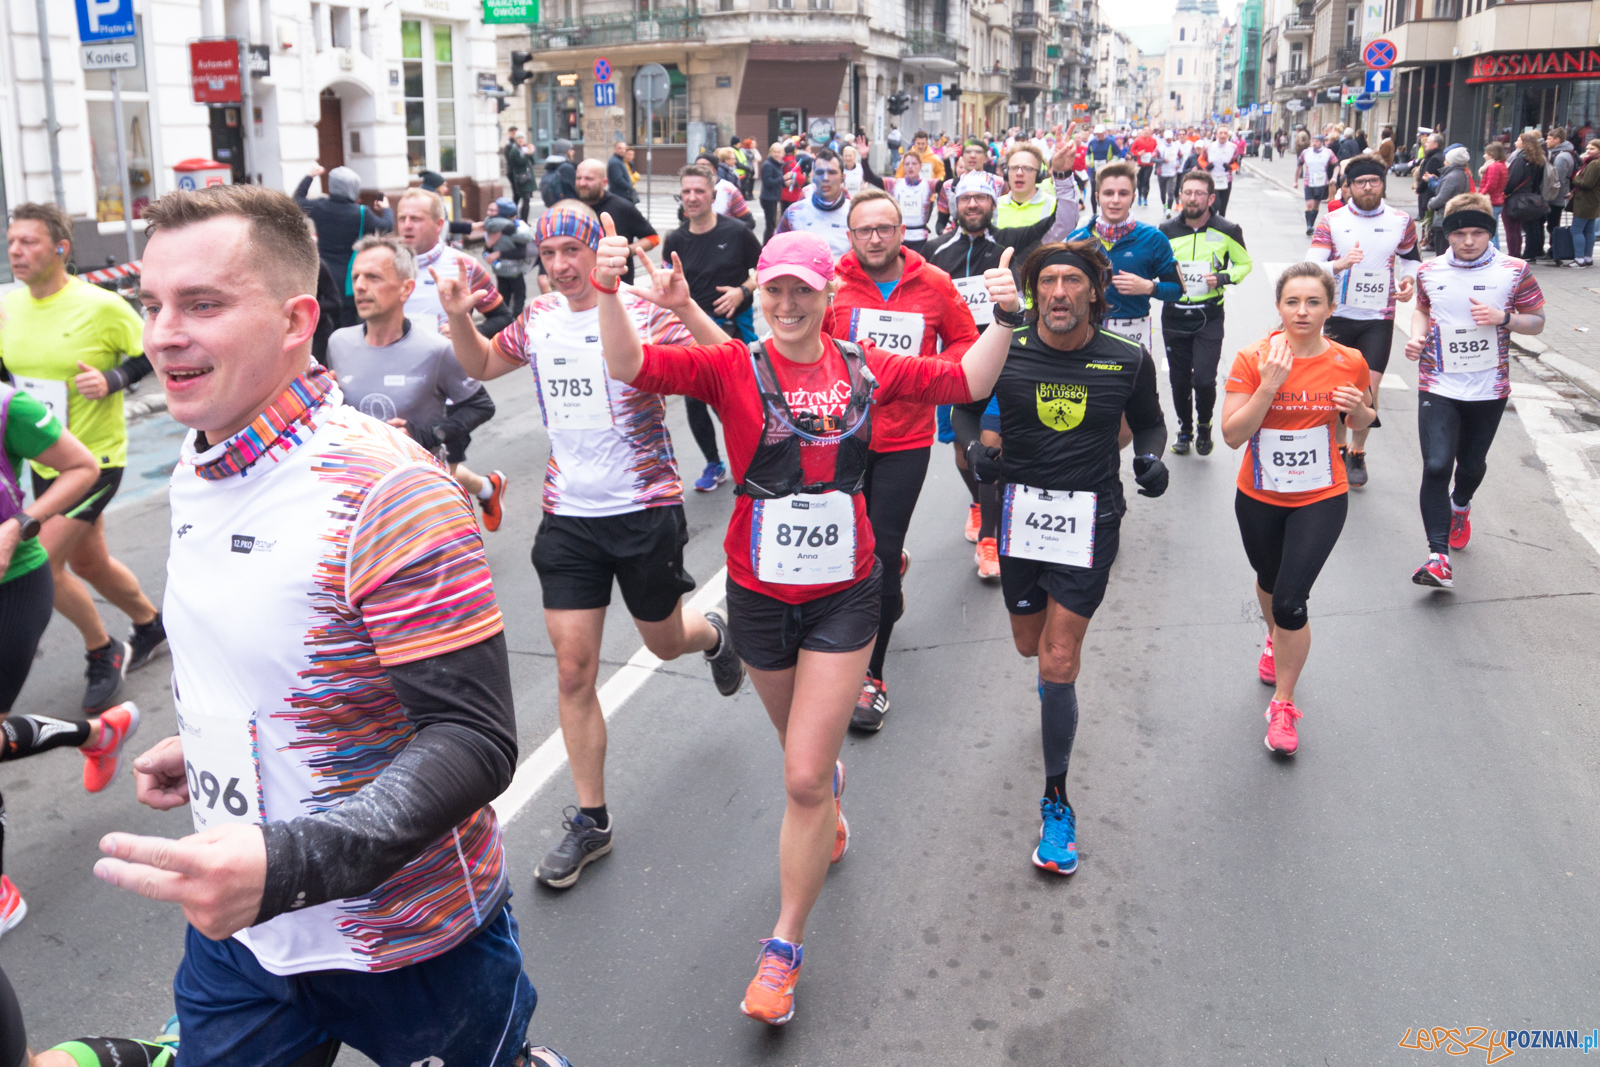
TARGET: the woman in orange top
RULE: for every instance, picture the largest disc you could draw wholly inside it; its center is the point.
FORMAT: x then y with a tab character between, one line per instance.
1283	396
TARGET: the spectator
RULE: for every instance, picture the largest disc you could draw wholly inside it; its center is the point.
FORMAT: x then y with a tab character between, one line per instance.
560	181
1386	147
772	188
1564	158
340	221
522	172
930	158
1492	181
619	179
1585	205
1428	173
1524	177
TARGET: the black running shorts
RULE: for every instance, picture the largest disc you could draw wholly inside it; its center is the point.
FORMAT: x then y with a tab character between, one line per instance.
1373	338
88	507
1026	582
769	634
578	557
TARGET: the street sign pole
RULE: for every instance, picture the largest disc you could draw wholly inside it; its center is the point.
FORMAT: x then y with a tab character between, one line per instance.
52	128
649	143
247	116
122	161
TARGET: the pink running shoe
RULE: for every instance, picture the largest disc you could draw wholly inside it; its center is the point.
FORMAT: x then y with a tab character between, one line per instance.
1460	527
1281	736
1435	572
1266	666
102	763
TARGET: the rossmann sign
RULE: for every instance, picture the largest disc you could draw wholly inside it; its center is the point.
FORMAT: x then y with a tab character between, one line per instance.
1536	66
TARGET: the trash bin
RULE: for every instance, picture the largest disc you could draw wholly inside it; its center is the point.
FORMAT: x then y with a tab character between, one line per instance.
194	174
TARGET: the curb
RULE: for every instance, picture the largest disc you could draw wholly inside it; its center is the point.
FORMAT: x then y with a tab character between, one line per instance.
143	407
1578	374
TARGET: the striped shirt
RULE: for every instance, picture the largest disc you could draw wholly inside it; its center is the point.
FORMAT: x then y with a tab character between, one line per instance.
1445	290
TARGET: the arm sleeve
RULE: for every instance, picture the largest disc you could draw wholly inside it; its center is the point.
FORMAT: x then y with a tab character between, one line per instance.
1149	426
461	419
1527	296
868	176
919	378
967	420
301	190
1239	262
383	221
119	378
639	227
461	757
700	371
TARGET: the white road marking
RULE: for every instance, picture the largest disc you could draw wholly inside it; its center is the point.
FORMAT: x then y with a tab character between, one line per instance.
1564	454
551	755
1395	382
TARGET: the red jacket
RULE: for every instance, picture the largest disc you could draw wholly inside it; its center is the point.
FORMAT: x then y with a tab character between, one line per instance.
947	332
1142	147
1494	182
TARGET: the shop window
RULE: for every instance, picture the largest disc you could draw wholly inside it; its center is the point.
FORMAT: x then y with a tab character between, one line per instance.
1583	112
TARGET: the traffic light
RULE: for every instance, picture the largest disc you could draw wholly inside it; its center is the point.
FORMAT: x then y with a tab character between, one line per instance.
500	104
519	68
899	102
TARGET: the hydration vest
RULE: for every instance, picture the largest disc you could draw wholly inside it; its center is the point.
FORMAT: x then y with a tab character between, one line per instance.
10	487
775	470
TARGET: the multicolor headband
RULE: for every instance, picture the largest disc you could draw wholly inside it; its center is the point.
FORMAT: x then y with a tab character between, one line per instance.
568	223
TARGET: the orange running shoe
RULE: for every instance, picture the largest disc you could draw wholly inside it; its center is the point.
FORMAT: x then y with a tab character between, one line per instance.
841	835
974	522
102	763
497	496
13	909
988	558
770	995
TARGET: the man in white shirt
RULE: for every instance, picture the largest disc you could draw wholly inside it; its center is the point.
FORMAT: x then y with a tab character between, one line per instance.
1313	167
824	212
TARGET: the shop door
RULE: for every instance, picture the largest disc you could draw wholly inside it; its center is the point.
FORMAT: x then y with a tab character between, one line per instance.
330	134
227	140
785	122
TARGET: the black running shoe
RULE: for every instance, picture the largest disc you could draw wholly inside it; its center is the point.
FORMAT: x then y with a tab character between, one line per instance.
1181	445
145	641
1202	439
1355	469
727	670
107	668
871	706
585	842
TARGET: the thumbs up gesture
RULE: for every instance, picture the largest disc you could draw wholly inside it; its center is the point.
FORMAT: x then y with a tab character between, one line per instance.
611	258
1350	258
1001	285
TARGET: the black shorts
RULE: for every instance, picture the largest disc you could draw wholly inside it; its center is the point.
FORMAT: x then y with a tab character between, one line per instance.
1026	582
1316	192
91	504
578	557
769	634
456	451
1373	338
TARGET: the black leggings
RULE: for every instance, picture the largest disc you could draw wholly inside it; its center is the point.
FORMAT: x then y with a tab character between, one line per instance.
1144	182
514	290
1221	205
894	481
704	430
1455	435
1192	360
1287	548
25	606
769	208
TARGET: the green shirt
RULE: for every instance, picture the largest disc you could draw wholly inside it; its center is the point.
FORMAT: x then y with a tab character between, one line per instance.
30	429
44	340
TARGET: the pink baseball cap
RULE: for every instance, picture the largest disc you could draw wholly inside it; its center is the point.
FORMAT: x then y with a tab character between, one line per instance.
802	255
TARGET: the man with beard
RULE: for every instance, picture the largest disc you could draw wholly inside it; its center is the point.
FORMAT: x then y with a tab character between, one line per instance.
629	220
974	160
421	224
825	212
1373	251
1211	254
973	246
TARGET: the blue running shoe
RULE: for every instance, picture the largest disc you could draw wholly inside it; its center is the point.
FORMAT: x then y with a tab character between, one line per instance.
714	475
1058	838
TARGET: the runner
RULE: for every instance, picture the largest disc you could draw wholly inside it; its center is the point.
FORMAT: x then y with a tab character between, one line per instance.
889	295
420	222
631	222
342	686
1065	392
1027	199
804	596
613	507
719	257
1372	247
973	247
1285	395
1222	158
407	375
1469	303
1140	256
1314	166
1144	151
1211	254
913	199
75	347
29	431
1171	154
824	212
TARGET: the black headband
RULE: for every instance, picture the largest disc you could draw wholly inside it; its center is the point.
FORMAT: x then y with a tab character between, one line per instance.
1468	218
1358	168
1065	257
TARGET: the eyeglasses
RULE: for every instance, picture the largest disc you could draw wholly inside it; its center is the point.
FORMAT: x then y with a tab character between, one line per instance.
867	233
1023	170
1366	183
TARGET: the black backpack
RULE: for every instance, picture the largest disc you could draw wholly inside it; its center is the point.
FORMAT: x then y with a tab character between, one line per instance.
550	186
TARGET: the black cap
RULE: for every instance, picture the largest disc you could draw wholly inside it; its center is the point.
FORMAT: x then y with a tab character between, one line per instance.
431	180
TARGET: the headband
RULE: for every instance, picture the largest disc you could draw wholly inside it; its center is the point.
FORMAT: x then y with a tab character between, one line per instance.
1065	257
1469	218
568	223
1364	168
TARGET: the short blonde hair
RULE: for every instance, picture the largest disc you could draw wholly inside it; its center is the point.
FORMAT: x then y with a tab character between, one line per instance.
870	194
434	201
1469	202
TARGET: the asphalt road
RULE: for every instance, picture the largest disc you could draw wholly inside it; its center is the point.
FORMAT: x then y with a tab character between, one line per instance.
1428	859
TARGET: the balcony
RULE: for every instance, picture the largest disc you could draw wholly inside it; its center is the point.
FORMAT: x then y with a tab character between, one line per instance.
1348	56
995	82
1297	25
1290	78
1025	24
662	24
929	50
1029	79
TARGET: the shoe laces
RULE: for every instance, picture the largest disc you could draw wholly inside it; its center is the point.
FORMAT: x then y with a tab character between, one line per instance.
574	821
988	550
774	969
1059	824
1283	713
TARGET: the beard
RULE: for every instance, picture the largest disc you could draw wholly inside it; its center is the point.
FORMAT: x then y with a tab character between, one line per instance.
1047	318
1194	212
978	225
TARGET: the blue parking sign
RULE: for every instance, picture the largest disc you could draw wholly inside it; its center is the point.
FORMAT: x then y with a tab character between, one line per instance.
104	20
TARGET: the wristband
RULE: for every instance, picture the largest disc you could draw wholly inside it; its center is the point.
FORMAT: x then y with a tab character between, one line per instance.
1009	319
596	283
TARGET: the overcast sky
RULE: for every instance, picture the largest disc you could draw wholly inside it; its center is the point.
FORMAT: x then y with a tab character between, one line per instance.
1149	12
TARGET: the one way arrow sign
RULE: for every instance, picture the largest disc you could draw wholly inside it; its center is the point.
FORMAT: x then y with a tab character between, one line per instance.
1379	81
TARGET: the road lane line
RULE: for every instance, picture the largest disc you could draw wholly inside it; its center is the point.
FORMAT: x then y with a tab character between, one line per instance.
551	755
1565	459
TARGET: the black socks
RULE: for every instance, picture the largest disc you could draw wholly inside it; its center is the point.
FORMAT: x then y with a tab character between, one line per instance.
29	735
602	820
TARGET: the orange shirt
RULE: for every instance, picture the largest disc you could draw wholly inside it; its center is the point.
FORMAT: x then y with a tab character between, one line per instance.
1291	460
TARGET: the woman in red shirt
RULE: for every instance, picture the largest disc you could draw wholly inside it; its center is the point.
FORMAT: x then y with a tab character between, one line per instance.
1283	398
804	584
1494	181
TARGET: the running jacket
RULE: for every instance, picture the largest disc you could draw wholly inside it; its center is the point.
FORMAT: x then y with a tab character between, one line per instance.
1216	248
1145	252
947	332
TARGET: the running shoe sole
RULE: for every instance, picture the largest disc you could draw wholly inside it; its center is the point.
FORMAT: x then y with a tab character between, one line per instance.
1280	751
1048	866
563	883
770	1022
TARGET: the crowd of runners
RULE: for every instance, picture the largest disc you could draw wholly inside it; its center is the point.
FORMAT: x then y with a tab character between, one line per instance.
344	702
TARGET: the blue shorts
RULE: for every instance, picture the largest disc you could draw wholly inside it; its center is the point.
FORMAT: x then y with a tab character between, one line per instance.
470	1005
941	415
991	415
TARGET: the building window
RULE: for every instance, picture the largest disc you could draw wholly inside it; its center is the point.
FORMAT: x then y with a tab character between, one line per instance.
445	95
429	87
1180	68
319	36
339	20
670	123
136	131
1180	33
416	105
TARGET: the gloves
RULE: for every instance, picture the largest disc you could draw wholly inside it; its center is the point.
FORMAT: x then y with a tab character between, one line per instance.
1151	474
983	461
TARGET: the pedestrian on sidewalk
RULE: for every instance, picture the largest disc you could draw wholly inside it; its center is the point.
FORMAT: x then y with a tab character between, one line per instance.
1492	181
1525	208
1585	205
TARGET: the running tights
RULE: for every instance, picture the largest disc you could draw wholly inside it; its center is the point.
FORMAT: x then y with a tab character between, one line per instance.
1192	369
1144	182
25	606
1169	188
704	430
1287	547
1058	725
967	479
1221	205
1455	435
894	481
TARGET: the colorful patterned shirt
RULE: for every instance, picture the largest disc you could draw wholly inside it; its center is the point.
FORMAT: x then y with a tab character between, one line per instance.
1445	290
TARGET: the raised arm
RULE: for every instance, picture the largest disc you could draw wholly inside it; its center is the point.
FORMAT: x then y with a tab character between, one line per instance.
619	340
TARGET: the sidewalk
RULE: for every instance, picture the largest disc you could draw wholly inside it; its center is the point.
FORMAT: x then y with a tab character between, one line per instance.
1570	344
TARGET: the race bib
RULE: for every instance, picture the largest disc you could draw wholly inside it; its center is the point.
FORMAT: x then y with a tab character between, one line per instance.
897	332
219	759
1293	461
1054	527
47	391
572	387
1194	275
976	294
1468	349
804	539
1133	329
1366	287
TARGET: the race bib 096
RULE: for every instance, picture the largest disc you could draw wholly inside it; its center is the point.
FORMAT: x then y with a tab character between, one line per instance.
219	760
